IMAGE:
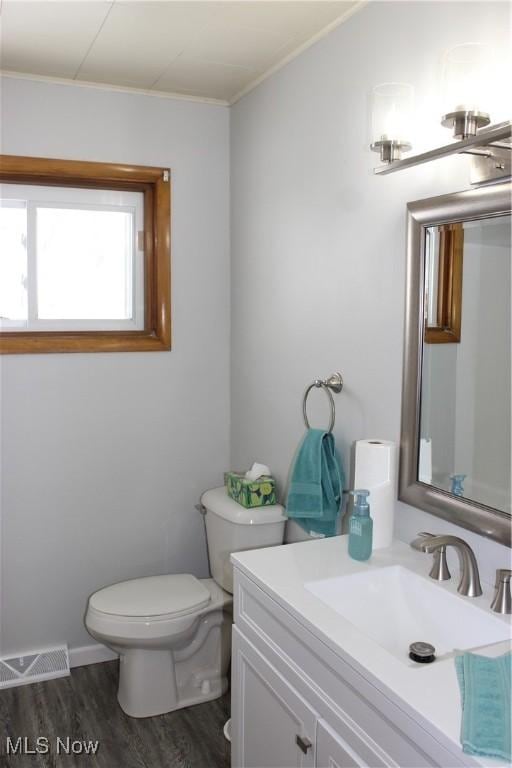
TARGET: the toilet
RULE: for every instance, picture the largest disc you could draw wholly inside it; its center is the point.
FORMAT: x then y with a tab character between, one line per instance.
173	632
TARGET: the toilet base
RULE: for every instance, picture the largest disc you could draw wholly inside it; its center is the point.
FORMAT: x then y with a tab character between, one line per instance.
217	689
147	685
155	681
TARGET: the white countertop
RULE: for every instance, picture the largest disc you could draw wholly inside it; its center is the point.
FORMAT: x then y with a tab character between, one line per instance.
429	693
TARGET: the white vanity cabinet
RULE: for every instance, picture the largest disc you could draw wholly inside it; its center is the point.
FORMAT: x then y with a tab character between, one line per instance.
276	728
296	704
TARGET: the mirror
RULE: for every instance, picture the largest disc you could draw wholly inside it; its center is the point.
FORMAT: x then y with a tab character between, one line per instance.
456	420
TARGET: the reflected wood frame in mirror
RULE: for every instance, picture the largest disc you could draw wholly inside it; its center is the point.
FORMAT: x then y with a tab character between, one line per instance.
473	204
449	288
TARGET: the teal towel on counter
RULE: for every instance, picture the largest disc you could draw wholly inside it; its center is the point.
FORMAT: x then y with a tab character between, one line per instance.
316	484
485	685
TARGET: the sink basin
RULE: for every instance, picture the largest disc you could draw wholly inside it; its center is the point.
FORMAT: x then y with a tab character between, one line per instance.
395	607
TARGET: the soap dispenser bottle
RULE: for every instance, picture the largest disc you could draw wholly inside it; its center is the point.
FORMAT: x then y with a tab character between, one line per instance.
360	527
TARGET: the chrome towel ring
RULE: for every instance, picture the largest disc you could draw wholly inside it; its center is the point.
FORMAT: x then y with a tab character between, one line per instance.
333	384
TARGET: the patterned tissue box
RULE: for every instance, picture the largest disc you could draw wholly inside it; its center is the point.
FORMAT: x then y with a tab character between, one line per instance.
251	493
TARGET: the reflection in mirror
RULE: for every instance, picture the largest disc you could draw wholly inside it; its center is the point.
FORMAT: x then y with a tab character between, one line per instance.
444	250
465	409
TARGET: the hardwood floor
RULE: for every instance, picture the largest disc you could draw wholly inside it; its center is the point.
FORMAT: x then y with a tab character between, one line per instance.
83	707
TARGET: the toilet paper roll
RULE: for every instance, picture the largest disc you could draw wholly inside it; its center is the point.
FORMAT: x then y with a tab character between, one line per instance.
376	470
425	462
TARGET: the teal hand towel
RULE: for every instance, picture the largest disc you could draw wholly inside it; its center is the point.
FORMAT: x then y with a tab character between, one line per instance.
316	484
485	686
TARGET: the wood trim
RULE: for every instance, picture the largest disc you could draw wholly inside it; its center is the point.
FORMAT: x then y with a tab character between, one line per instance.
155	184
81	341
449	288
62	170
162	261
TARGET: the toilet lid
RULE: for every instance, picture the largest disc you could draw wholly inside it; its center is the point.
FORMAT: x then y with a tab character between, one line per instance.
176	595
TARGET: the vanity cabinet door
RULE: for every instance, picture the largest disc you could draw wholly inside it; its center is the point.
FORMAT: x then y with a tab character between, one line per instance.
272	724
333	752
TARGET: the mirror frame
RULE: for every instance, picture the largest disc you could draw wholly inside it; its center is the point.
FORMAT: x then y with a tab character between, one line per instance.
480	203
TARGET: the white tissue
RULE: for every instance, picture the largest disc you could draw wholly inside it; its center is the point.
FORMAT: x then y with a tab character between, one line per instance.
376	470
256	471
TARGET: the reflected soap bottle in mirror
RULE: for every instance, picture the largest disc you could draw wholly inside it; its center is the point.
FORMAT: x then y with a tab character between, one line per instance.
360	527
457	484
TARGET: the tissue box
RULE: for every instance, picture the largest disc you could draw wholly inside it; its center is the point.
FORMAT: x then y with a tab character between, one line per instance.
251	493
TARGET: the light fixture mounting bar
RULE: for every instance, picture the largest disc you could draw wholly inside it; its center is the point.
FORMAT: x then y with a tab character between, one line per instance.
484	138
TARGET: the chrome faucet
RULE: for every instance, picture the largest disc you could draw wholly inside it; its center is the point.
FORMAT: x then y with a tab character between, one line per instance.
469	584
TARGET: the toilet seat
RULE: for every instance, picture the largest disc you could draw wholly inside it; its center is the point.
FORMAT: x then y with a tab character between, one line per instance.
152	597
150	631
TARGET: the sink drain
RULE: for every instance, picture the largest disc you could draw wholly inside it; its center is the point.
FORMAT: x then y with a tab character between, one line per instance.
421	652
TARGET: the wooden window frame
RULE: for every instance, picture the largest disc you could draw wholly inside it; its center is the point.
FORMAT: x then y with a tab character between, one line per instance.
449	287
155	184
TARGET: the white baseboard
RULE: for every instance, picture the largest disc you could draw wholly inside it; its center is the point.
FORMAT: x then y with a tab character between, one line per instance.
90	654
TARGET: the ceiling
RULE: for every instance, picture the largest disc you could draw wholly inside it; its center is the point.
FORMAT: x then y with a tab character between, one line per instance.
208	50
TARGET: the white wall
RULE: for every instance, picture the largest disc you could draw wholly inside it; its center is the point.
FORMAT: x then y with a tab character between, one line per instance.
105	455
318	242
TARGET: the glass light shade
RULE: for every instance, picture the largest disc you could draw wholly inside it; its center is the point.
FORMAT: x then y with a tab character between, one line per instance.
392	112
468	78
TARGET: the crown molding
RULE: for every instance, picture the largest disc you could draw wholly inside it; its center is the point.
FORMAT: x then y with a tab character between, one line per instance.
293	55
109	87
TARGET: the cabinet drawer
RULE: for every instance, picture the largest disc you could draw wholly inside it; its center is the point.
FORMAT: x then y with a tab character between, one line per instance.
349	704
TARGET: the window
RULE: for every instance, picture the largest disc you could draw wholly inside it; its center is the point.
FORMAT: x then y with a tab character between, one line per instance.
84	256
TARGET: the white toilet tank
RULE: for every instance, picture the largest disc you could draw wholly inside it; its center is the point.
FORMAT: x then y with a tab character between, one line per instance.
233	528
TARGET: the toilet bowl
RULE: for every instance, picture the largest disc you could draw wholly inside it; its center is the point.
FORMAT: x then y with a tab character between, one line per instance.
173	632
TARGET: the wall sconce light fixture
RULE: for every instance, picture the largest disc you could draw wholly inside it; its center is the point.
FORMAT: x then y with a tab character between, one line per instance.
471	80
392	108
468	78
